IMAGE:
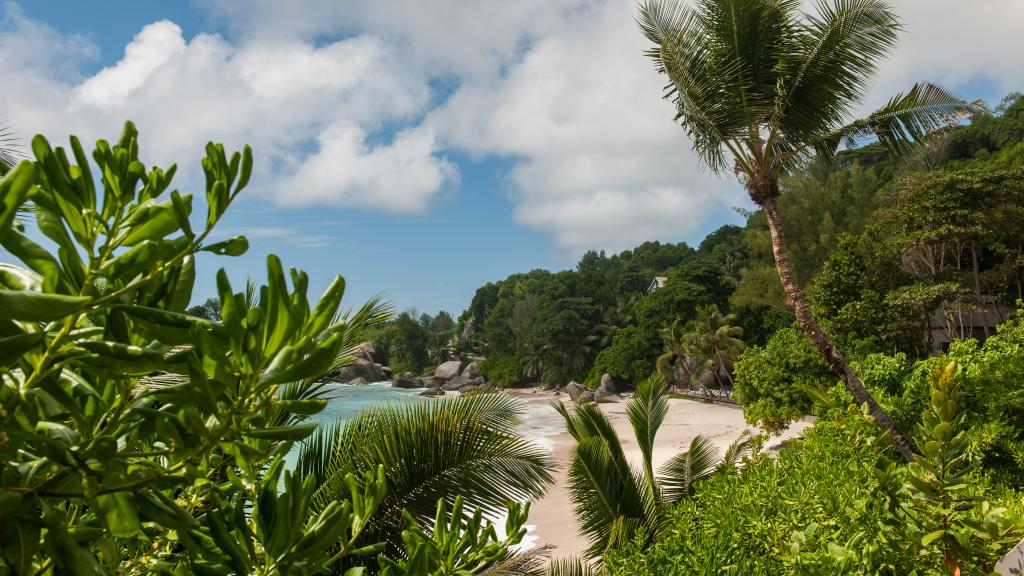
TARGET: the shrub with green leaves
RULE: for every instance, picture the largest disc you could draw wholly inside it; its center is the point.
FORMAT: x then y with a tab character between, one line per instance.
775	382
135	438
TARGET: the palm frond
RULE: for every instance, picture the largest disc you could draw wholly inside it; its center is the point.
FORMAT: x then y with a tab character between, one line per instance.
524	563
646	411
570	567
605	493
743	447
679	474
430	450
829	64
904	121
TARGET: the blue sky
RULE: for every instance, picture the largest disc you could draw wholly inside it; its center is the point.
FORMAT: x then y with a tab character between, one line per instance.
421	149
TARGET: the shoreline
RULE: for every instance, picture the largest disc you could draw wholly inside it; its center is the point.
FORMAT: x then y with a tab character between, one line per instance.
552	521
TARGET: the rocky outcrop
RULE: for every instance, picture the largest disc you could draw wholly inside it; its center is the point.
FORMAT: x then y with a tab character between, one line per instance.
431	382
432	392
584	397
449	370
361	368
602	397
406	380
609	385
471	372
453	385
574	389
388	374
371	352
359	382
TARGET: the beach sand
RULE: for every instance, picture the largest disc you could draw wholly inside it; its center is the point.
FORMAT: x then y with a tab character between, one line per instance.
552	519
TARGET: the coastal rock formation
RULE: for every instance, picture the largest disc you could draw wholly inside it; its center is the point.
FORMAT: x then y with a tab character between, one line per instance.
431	382
585	396
448	370
471	372
603	397
361	368
371	352
609	385
388	374
574	390
453	385
359	381
406	380
432	392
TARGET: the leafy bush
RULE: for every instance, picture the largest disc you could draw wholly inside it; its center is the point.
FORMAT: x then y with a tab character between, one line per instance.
501	370
772	381
831	503
136	438
631	356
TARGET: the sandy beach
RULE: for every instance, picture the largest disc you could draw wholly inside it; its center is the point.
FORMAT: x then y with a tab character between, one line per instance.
552	516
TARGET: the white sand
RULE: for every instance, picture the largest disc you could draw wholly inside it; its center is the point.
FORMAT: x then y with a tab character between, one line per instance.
552	516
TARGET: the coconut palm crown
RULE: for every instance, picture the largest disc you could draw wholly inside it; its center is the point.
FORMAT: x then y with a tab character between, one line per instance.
761	87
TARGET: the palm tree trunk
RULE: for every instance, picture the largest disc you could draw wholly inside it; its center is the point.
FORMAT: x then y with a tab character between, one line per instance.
821	341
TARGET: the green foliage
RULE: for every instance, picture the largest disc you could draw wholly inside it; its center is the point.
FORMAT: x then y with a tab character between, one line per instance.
940	504
136	438
615	503
457	547
821	506
631	356
430	451
501	370
772	381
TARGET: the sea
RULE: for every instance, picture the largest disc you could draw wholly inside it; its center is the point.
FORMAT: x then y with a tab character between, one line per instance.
538	421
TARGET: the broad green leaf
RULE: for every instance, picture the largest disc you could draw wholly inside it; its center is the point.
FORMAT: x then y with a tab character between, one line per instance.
32	306
14	188
929	538
119	513
234	247
282	432
13	347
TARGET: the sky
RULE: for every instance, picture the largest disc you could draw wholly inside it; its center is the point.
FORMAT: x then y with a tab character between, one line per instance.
421	148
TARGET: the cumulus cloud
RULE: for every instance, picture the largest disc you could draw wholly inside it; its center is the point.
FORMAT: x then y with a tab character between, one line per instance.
286	98
601	164
356	104
398	177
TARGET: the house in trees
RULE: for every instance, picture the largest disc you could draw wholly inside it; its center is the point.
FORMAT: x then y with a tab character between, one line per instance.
658	282
961	323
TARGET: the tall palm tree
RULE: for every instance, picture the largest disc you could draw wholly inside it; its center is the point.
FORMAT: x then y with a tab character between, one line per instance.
430	450
614	501
761	87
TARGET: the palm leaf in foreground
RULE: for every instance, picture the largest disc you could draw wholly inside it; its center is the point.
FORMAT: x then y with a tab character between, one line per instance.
431	450
614	502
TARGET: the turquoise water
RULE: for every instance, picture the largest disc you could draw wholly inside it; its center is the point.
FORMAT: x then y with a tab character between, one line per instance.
347	401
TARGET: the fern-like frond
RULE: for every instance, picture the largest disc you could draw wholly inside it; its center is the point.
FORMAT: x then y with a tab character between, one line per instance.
680	473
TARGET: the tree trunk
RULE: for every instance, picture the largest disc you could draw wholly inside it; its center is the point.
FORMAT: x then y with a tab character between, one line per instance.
821	341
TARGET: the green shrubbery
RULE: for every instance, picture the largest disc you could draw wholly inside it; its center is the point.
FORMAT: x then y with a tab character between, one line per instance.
138	439
631	356
775	382
837	502
501	370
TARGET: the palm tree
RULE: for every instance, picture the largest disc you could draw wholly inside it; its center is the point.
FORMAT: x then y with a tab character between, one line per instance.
614	501
431	450
713	337
761	87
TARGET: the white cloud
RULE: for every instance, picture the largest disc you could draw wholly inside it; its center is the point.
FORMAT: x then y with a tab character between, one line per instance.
398	177
601	163
336	99
284	235
956	43
279	96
